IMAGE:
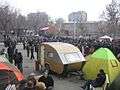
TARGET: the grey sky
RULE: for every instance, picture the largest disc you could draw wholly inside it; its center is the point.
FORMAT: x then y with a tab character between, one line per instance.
61	8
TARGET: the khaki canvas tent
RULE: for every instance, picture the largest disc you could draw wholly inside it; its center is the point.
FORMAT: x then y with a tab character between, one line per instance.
104	59
57	55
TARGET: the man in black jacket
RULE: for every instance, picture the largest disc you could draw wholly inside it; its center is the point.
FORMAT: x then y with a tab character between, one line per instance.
15	57
28	49
49	82
32	52
98	82
18	60
10	52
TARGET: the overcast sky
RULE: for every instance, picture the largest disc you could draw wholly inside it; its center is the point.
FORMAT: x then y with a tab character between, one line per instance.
61	8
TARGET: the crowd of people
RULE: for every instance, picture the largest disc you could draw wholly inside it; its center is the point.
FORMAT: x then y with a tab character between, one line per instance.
44	82
89	45
11	52
33	82
31	45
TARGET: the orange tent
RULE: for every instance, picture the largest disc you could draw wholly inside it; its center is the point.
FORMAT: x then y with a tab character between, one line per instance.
9	67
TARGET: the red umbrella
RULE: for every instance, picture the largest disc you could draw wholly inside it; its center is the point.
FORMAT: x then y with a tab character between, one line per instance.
10	67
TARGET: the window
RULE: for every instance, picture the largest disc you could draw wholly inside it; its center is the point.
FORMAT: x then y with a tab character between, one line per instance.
72	57
50	55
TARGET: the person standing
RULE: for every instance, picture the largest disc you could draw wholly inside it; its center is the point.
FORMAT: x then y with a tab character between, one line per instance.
10	52
32	52
28	49
36	49
15	57
19	61
24	44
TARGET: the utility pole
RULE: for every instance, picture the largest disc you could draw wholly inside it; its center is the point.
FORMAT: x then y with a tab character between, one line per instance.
74	30
59	34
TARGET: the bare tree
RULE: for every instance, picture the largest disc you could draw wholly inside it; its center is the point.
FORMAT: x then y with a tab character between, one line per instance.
4	17
37	20
101	27
21	21
112	16
21	24
59	24
60	20
7	18
81	29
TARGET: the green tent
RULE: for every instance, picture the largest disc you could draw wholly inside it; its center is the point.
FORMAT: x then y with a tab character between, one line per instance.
104	54
104	59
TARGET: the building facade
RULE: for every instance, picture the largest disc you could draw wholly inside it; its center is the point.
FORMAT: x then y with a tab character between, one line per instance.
78	17
77	29
37	20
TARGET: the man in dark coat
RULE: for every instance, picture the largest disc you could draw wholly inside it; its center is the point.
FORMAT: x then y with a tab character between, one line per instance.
28	49
15	57
49	81
98	82
37	49
18	61
10	52
32	52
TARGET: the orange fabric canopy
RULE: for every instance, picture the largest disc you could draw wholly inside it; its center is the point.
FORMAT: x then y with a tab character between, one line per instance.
10	67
